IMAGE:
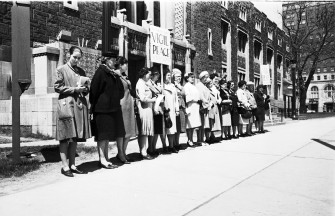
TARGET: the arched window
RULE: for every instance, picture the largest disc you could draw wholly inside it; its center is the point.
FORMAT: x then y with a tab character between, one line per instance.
329	91
315	92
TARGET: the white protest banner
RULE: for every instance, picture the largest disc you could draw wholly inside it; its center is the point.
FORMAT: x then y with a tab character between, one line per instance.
160	49
265	75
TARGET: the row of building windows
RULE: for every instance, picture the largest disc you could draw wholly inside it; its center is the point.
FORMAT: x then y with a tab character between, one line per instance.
329	91
325	77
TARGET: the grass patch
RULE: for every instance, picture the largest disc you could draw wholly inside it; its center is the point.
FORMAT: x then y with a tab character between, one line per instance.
10	169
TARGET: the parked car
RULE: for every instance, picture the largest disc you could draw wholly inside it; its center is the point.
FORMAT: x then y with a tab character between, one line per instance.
310	111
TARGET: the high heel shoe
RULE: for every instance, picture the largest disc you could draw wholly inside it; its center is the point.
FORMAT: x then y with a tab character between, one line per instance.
108	166
190	144
122	161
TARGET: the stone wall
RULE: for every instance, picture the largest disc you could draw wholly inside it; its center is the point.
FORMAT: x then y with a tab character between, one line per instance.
38	106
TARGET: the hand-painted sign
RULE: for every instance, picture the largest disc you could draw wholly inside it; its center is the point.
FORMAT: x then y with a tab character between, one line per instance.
160	49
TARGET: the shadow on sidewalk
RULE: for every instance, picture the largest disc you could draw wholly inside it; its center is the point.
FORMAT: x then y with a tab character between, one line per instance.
324	143
89	166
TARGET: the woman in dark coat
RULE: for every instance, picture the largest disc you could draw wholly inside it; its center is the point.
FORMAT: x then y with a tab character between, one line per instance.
105	95
261	101
234	112
72	124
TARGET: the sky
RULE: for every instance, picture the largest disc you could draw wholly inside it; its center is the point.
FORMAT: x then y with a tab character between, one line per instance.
271	9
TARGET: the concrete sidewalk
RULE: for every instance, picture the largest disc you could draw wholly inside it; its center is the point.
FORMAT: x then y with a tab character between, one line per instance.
287	171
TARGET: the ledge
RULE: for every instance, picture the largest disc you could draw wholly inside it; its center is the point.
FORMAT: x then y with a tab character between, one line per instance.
46	50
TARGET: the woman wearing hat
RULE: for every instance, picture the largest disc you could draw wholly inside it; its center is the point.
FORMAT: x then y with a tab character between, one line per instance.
156	91
214	116
171	103
145	104
260	98
226	106
235	117
105	96
243	101
206	105
192	98
181	120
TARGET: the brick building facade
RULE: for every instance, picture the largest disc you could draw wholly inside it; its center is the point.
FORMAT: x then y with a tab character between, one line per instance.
48	18
235	39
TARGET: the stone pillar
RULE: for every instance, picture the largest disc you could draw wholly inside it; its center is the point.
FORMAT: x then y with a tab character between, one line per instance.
45	60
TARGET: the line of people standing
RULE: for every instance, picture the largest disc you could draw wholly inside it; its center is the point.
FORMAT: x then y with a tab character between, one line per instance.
149	111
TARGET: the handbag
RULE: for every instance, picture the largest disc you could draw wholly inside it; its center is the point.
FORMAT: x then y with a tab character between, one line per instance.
244	112
65	108
167	119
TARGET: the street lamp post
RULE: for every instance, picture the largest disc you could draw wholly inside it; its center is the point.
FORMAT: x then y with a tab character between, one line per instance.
294	109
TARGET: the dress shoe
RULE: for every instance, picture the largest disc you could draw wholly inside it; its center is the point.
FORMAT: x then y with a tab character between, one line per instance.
108	166
147	157
122	161
190	144
78	171
67	173
173	150
177	147
129	159
166	150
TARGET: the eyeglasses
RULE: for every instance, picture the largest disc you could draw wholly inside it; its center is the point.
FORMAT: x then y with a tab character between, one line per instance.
76	57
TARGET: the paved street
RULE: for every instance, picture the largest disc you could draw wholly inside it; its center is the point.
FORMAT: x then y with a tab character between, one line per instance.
288	171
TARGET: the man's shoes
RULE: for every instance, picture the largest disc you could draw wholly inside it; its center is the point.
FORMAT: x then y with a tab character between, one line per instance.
67	173
78	171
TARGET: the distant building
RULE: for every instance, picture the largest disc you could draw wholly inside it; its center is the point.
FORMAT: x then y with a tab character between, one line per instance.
321	91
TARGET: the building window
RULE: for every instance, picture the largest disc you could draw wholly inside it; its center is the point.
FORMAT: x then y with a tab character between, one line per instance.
314	92
257	49
140	12
279	61
242	41
303	22
71	5
280	42
325	77
241	76
129	10
333	77
270	34
324	69
318	70
329	91
224	4
318	77
157	14
258	26
312	78
224	29
332	69
243	13
209	39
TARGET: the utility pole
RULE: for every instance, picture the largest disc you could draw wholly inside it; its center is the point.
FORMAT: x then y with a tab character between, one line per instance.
21	66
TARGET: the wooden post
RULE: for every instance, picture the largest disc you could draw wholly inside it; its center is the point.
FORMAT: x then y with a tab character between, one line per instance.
21	66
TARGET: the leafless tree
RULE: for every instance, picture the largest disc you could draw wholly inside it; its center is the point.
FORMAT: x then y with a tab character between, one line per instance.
310	27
